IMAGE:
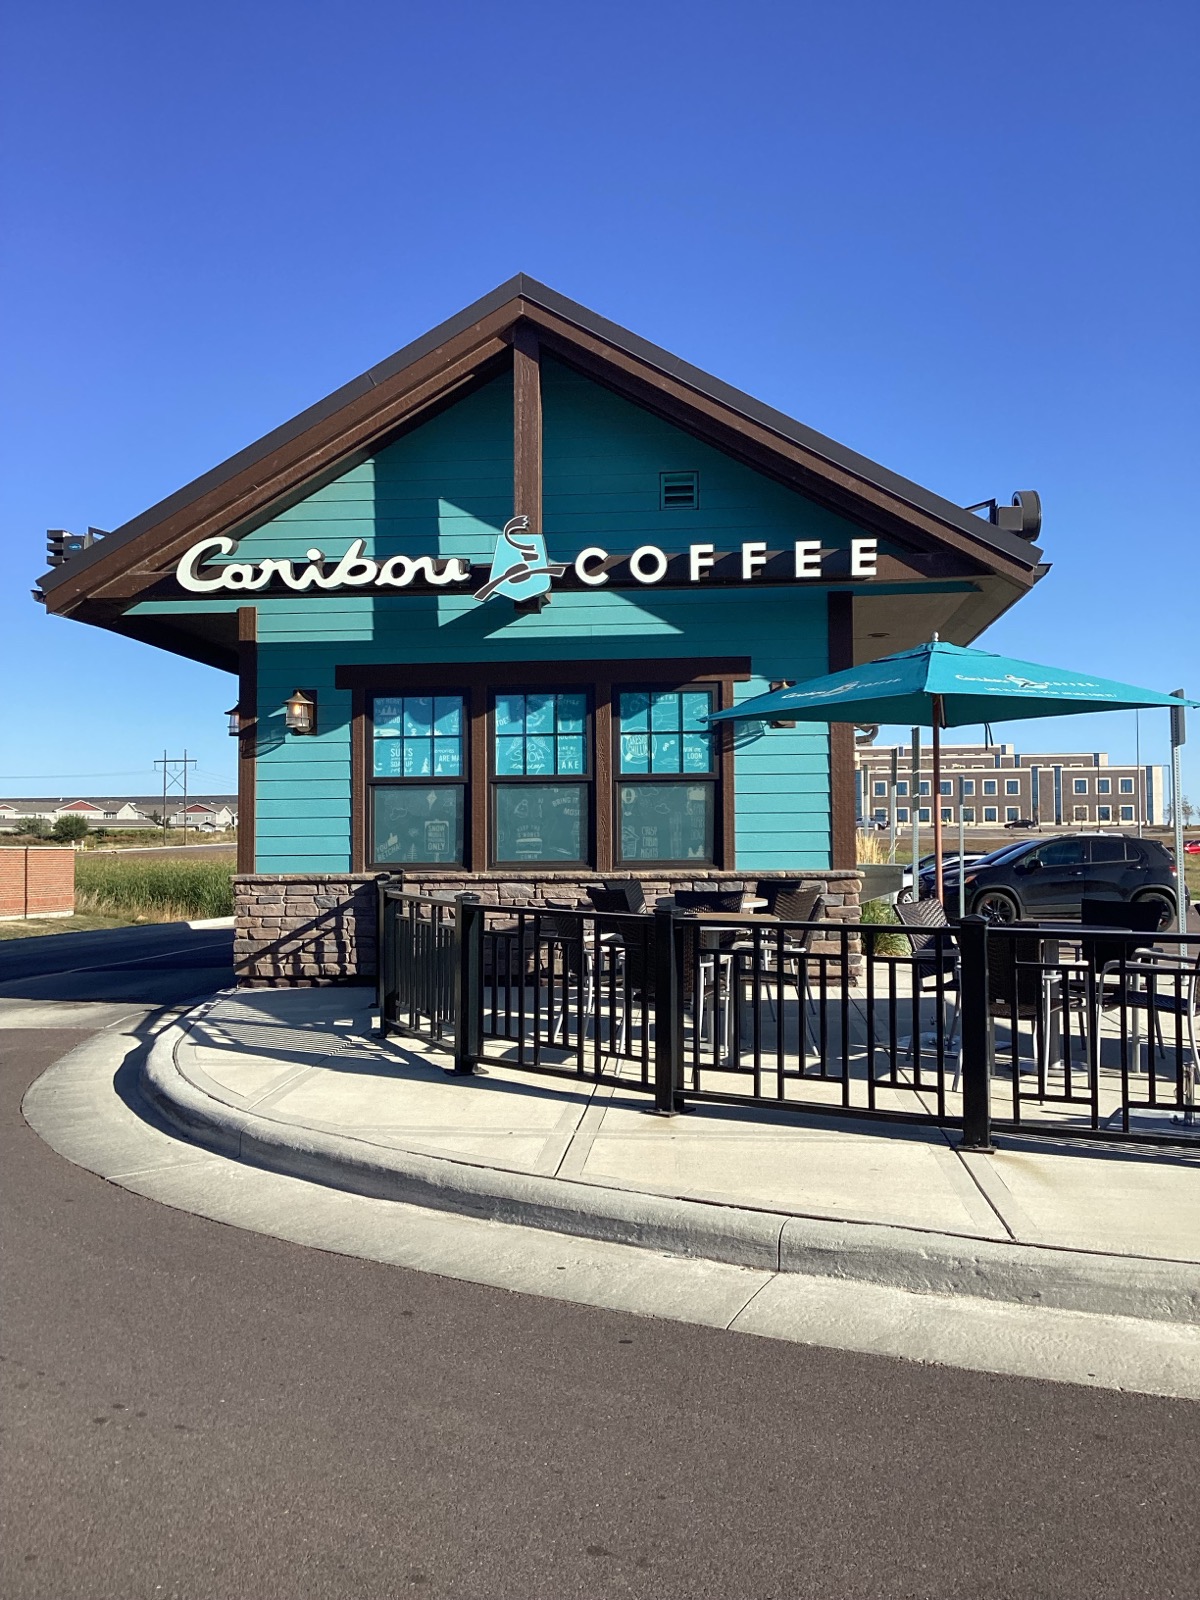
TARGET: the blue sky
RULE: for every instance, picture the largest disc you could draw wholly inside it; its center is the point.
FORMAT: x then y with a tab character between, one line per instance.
961	239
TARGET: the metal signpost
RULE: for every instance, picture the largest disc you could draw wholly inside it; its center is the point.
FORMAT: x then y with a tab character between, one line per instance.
1178	739
962	853
892	804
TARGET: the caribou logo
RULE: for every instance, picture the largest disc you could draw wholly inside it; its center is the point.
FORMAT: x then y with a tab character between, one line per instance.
521	568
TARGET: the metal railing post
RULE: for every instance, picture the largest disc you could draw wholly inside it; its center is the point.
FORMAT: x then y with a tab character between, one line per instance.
975	1034
668	1016
467	980
385	956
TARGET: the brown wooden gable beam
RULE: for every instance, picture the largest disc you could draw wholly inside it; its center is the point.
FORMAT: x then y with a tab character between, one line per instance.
527	425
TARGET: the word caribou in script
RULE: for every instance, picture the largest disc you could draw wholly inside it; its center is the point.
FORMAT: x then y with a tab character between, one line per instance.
354	571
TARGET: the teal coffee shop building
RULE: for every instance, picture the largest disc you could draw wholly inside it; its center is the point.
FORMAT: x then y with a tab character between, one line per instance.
481	602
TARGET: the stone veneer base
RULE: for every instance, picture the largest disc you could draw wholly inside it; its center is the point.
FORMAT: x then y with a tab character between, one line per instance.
301	929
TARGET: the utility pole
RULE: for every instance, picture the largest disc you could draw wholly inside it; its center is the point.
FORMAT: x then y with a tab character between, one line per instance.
175	782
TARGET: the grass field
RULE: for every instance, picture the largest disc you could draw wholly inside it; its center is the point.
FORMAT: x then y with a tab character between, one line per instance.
173	889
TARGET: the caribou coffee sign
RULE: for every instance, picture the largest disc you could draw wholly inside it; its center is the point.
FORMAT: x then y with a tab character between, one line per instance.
521	568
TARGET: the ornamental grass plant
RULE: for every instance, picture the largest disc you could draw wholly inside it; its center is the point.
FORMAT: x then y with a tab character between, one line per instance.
171	890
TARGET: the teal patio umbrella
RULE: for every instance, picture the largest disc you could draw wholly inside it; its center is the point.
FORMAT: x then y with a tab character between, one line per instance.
946	686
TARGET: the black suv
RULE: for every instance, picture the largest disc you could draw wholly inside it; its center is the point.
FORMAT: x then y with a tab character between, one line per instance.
1043	880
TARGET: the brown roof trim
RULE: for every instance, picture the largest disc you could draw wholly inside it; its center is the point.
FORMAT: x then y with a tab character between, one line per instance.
400	390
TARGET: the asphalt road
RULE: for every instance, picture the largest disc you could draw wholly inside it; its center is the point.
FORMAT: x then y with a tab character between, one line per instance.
193	1411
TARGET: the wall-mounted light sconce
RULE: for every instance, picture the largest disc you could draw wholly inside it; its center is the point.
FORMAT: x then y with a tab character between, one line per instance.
235	721
300	711
782	722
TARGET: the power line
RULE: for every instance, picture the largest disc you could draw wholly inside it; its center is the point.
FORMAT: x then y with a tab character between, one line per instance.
61	777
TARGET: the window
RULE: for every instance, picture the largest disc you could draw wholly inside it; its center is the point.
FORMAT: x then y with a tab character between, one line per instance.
1079	814
1063	853
902	814
880	816
947	813
540	737
879	788
1108	849
968	813
669	813
679	491
418	779
924	785
924	813
1126	785
1104	813
1126	813
1079	785
989	787
1103	785
968	786
1011	814
1012	785
901	788
945	787
989	813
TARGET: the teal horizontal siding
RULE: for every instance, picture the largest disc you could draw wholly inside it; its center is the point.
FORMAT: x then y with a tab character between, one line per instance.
446	488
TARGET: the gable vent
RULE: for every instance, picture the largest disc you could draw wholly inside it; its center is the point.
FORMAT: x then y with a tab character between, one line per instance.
679	491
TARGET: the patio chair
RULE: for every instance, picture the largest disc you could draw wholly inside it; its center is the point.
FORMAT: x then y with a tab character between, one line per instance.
787	901
1132	978
579	954
617	894
716	954
1107	955
935	957
1020	990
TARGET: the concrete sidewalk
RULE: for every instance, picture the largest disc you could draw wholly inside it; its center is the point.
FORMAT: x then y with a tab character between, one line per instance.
294	1080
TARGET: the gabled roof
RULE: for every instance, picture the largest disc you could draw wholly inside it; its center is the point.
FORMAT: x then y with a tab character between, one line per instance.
100	583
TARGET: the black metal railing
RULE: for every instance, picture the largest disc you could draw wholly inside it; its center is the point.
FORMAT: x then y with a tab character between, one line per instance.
1062	1030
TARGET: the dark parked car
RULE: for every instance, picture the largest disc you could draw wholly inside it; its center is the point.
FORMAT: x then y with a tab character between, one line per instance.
1045	879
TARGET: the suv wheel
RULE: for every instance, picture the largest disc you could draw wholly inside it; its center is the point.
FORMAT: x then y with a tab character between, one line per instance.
1162	898
996	905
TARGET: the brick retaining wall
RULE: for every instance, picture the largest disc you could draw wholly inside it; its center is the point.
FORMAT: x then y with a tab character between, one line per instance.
36	881
301	929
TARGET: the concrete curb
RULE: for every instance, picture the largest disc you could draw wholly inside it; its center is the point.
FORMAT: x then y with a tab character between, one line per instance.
884	1255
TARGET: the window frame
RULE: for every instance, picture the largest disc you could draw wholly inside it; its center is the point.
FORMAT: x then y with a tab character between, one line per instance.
712	777
373	784
599	677
585	780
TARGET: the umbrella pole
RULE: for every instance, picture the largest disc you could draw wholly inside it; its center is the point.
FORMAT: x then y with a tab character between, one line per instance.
936	796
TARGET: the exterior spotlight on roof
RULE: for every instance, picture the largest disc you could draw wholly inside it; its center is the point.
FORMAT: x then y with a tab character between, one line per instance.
1023	517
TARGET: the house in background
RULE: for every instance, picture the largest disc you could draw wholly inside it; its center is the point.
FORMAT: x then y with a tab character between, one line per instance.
204	812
